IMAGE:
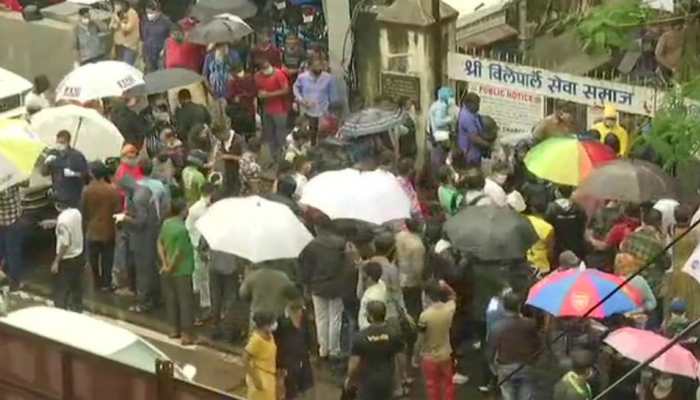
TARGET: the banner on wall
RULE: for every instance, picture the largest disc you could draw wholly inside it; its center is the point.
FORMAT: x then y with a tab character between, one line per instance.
578	89
515	111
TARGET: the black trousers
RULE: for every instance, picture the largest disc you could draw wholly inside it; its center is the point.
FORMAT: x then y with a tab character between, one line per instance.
67	284
224	293
179	302
101	257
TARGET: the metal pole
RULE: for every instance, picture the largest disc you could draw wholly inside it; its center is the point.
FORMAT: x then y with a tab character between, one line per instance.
604	299
438	42
651	359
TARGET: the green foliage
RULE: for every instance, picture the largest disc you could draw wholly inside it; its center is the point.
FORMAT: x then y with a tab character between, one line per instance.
675	129
609	26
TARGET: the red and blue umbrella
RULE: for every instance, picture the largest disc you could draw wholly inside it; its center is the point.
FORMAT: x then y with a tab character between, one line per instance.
571	293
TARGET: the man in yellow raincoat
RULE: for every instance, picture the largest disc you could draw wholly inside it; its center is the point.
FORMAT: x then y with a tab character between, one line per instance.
610	124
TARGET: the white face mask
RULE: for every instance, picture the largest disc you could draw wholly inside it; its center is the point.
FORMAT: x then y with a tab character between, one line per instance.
269	70
151	16
664	381
61	146
273	327
84	21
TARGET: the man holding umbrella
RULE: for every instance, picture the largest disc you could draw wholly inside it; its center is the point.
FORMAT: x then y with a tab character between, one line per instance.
68	169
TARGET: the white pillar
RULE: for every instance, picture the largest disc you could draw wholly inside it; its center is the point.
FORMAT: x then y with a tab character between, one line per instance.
337	14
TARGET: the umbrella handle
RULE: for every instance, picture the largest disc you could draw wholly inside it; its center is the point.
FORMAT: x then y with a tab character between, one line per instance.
77	132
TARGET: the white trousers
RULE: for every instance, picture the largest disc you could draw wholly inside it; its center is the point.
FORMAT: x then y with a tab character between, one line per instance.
200	281
329	321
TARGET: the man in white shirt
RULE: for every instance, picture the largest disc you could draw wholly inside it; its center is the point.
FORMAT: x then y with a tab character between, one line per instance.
376	290
475	189
68	265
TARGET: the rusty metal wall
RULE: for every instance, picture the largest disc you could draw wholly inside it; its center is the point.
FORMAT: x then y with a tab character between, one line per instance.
36	368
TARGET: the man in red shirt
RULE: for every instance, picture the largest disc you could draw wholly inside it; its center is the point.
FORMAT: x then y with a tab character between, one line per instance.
624	226
273	94
242	100
179	53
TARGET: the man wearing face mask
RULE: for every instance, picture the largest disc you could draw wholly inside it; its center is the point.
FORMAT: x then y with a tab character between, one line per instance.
179	53
470	129
155	29
218	64
141	223
314	91
127	36
273	88
88	45
68	169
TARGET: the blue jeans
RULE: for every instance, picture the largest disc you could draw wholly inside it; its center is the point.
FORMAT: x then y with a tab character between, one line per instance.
520	386
11	241
126	54
275	133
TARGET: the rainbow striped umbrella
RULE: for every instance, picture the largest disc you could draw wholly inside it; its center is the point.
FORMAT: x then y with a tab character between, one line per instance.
571	293
19	150
567	160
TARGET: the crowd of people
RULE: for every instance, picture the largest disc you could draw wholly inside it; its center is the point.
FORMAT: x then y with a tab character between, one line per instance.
380	306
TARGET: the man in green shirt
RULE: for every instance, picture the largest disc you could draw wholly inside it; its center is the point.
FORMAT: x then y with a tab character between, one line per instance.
192	177
177	264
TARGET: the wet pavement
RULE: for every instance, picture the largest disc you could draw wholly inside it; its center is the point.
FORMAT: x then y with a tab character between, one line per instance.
218	363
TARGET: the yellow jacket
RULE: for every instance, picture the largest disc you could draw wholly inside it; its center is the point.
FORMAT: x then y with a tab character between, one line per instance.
618	131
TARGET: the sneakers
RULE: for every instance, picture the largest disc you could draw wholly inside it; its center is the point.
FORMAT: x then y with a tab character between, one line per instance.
459	379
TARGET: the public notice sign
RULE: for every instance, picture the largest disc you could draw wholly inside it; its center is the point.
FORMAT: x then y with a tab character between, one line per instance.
515	111
578	89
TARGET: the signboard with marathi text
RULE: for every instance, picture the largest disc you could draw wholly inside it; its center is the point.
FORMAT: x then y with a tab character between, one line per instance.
396	85
515	111
578	89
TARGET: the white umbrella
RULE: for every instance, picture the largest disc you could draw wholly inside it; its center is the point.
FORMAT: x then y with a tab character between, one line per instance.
97	80
91	133
253	228
374	197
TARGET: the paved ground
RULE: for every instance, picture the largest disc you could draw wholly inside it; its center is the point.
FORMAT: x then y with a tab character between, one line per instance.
218	364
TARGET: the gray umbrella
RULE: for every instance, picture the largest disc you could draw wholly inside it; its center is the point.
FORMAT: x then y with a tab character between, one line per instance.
633	181
222	29
165	79
205	10
370	121
491	233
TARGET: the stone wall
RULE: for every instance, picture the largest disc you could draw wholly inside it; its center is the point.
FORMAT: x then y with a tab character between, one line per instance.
38	47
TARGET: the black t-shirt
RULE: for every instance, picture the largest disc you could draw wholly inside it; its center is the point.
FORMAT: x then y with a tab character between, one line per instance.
376	346
569	222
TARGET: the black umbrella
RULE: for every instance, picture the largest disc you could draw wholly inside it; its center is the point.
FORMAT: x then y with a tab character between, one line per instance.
222	29
370	121
491	233
633	181
205	10
165	79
